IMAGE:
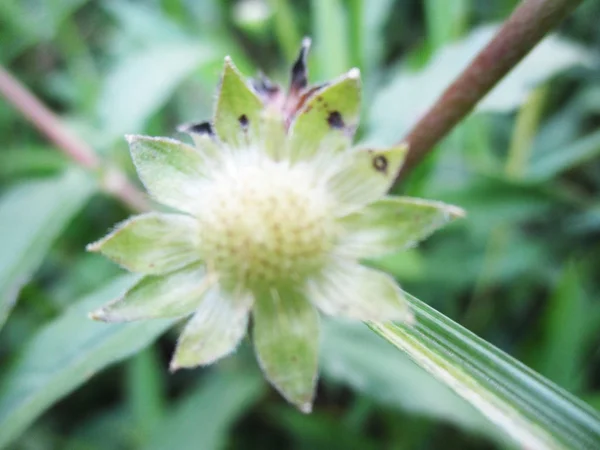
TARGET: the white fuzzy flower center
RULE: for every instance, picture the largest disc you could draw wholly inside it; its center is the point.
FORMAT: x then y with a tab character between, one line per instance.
265	222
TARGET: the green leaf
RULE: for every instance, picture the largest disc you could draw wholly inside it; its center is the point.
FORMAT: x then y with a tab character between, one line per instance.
567	325
171	170
142	23
64	354
328	118
33	22
238	110
393	224
445	20
286	341
130	96
146	396
152	243
322	430
367	175
32	216
172	295
553	55
215	330
390	119
202	419
491	200
285	27
331	37
348	289
552	162
31	161
532	411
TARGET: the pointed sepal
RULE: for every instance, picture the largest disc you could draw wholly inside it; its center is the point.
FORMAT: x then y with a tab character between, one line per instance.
393	224
215	330
171	171
238	110
348	289
332	109
286	341
366	176
172	295
152	243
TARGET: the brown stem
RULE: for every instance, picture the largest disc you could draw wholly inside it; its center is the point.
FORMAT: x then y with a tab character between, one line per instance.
66	141
46	121
526	26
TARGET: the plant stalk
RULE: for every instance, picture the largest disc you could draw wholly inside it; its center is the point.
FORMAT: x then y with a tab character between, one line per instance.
113	181
526	26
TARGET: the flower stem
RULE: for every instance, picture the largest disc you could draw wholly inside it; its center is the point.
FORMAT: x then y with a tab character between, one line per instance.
113	182
526	26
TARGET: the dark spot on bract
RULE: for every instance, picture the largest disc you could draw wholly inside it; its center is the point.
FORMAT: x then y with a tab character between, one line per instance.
197	128
380	163
335	120
243	119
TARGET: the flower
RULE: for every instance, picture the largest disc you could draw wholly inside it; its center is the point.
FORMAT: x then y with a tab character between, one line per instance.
276	213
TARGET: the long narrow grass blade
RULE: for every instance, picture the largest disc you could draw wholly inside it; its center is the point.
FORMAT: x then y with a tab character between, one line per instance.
533	412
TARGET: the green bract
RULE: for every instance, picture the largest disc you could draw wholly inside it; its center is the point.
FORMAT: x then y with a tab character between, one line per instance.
277	211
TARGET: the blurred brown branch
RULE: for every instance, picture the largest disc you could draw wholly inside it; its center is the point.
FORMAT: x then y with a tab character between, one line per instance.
113	181
526	26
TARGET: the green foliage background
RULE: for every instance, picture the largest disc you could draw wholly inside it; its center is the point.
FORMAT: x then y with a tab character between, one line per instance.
521	271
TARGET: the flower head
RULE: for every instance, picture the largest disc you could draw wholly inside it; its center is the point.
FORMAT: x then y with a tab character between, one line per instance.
275	214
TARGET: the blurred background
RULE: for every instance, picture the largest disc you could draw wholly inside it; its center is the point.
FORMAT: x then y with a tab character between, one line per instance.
522	270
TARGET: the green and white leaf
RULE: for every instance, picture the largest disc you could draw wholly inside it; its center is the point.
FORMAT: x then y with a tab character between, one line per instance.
32	215
353	355
64	354
532	411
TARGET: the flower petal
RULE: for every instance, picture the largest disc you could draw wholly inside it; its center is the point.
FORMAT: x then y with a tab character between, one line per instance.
238	110
393	224
176	294
152	244
351	290
367	176
214	331
286	341
331	110
171	170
